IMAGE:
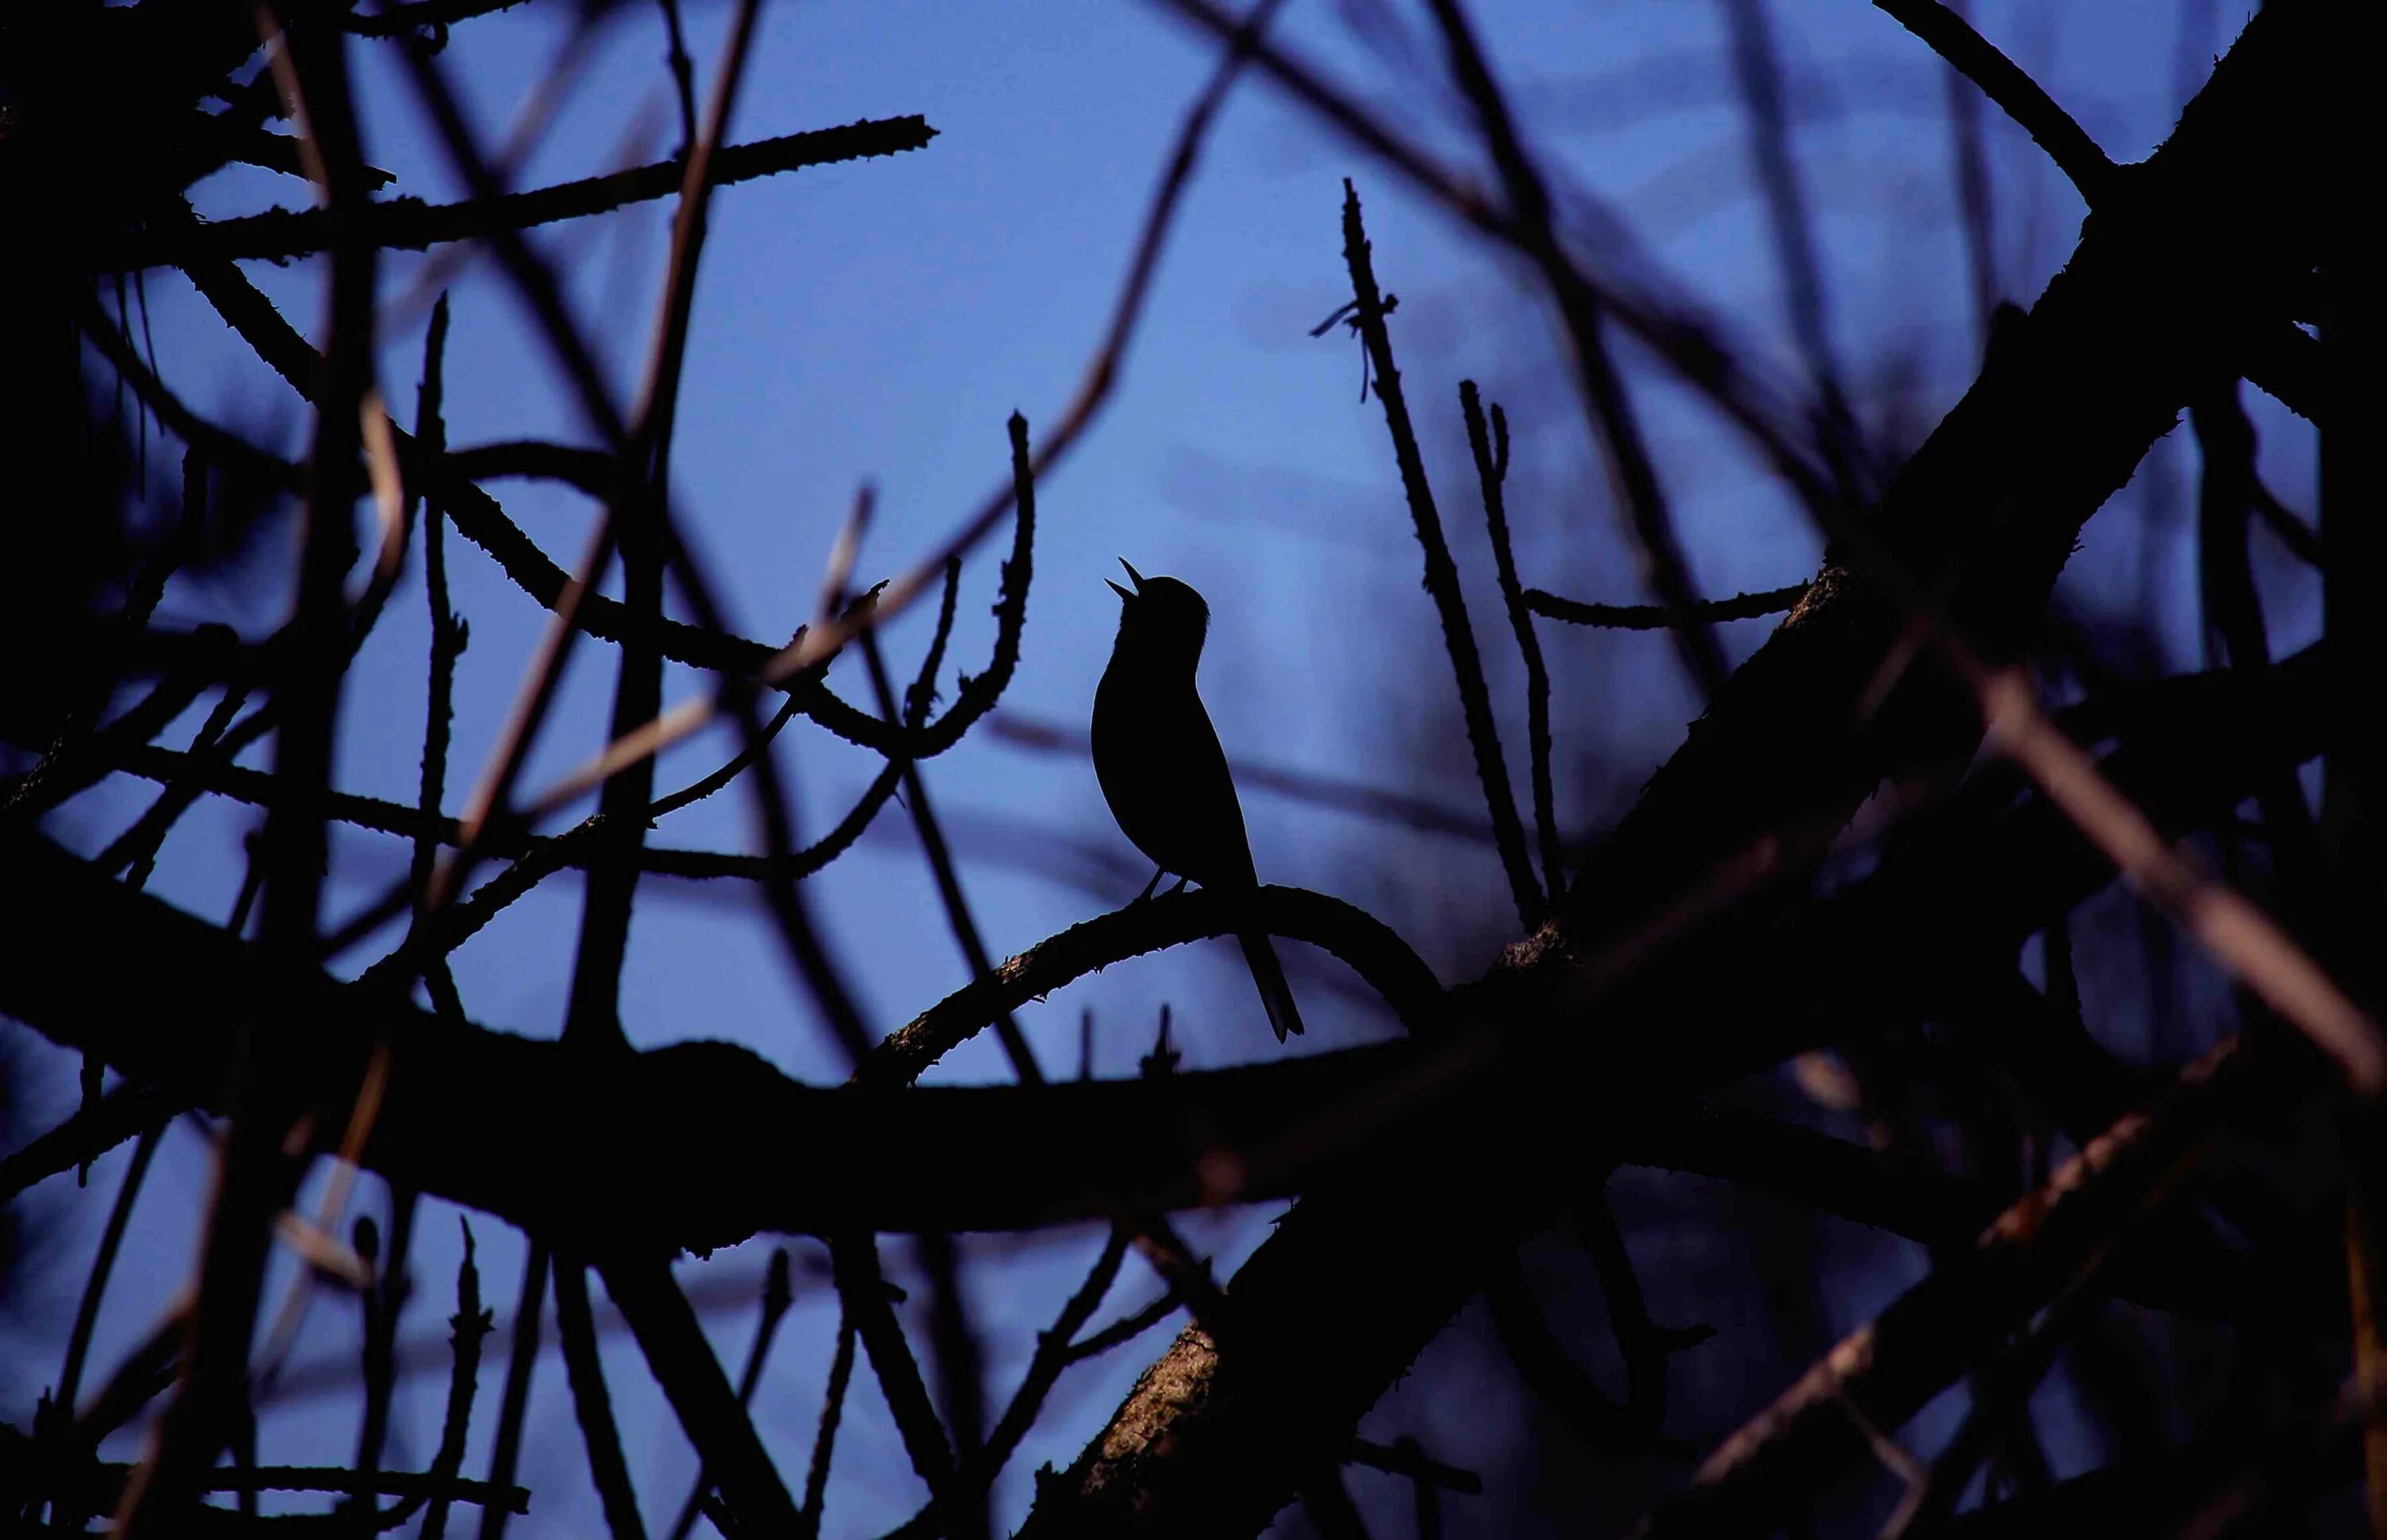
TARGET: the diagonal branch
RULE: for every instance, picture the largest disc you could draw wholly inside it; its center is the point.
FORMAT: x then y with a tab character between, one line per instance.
1614	425
410	224
1441	574
2011	87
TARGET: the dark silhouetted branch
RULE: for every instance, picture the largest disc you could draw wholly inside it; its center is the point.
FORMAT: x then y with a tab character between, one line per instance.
1353	935
409	224
712	1415
414	16
864	1289
778	1295
592	1403
832	1413
1758	66
1491	472
1615	426
514	1403
1405	1460
1441	574
1649	617
89	1133
2006	83
1684	339
468	1328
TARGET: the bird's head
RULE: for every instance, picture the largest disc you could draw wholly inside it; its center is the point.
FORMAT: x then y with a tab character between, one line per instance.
1161	618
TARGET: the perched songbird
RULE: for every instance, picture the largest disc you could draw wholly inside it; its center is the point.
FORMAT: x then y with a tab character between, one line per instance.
1162	769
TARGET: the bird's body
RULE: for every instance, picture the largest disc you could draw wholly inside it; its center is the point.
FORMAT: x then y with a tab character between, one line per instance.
1161	767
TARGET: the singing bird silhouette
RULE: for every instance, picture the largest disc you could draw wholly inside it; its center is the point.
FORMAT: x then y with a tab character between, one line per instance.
1162	770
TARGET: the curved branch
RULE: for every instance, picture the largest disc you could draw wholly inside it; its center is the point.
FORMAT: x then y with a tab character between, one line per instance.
537	1136
201	771
576	466
2008	84
1352	935
977	696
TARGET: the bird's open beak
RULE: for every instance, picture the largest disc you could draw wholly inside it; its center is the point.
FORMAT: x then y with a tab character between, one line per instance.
1134	577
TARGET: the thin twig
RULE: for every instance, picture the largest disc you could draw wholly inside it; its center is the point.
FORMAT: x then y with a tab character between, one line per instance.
1759	68
1441	574
469	1327
1491	474
778	1295
1683	340
863	1288
104	1264
1614	426
948	879
712	1414
409	224
88	1134
1406	1459
515	1401
593	1403
683	76
841	1375
2008	84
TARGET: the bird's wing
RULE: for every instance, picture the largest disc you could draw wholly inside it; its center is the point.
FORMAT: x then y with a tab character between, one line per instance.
1166	778
1210	815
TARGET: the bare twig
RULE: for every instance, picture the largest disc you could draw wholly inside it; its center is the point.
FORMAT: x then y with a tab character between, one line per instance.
507	1447
91	1131
1758	67
1490	473
778	1295
104	1264
712	1414
863	1288
1614	424
1406	1459
948	879
1441	574
409	224
593	1403
2006	83
841	1375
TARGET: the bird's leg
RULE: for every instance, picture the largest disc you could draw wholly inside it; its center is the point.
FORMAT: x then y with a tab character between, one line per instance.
1157	873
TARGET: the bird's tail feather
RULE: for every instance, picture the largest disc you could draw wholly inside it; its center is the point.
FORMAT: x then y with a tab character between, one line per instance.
1275	993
